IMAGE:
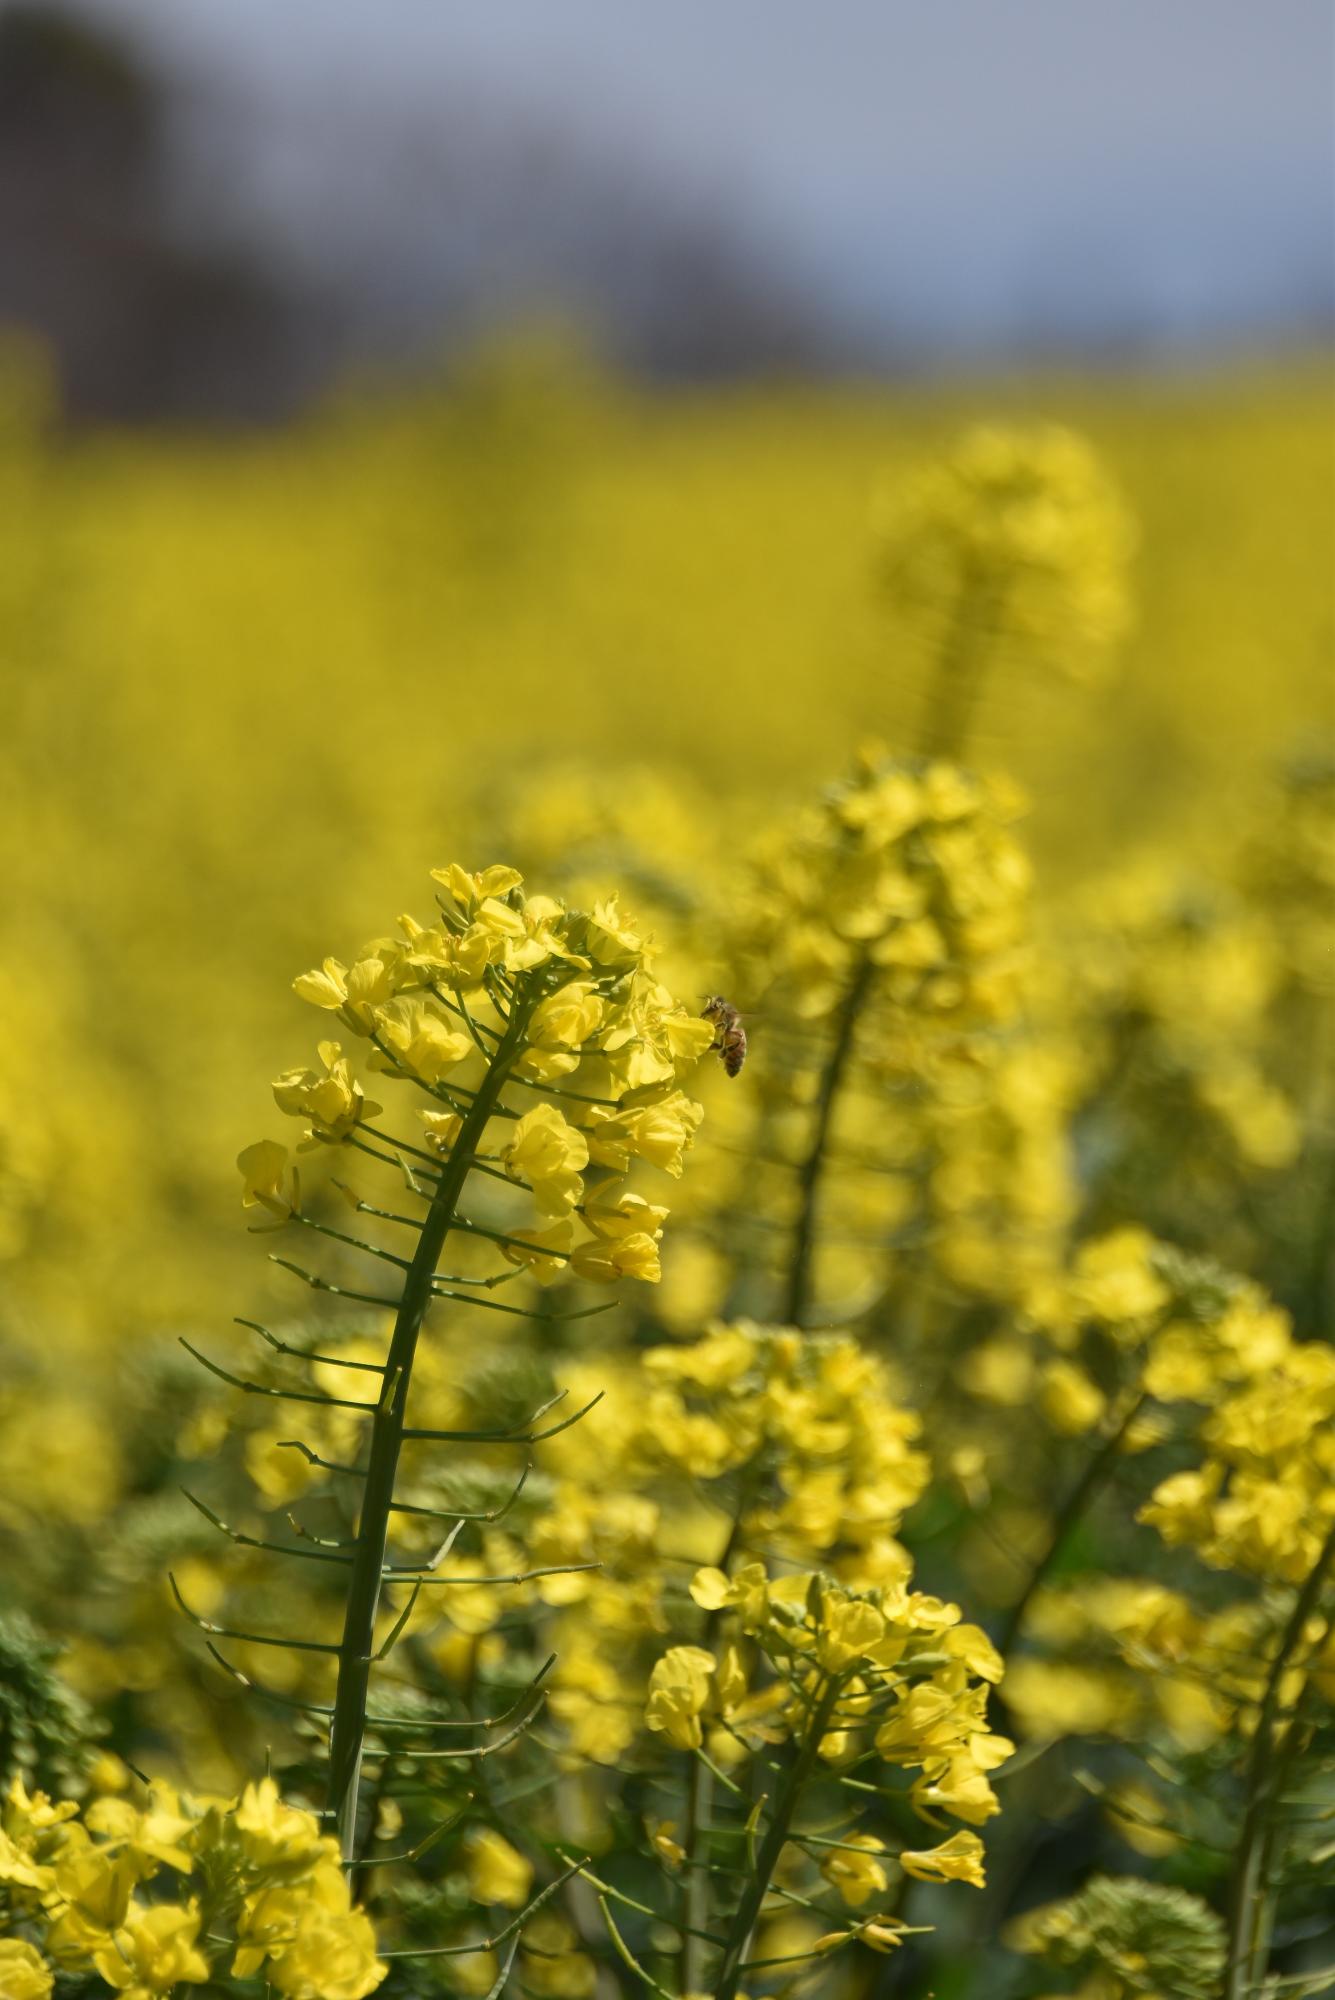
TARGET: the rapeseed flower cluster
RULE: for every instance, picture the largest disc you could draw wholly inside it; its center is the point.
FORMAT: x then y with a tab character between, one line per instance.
751	1436
1016	535
915	1126
1262	1500
841	1675
178	1892
900	1645
1013	548
600	1033
1149	1357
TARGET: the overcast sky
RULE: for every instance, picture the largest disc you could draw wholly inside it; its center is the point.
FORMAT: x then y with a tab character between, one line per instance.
972	170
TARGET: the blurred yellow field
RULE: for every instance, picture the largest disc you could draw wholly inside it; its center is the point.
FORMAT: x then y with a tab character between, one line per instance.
998	797
266	677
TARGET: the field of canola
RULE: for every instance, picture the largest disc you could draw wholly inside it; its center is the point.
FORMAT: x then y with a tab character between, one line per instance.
937	1594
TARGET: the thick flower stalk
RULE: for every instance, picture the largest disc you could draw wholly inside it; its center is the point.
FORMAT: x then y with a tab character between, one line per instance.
545	1057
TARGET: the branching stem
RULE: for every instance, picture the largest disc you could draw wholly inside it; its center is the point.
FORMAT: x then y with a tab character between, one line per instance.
952	698
700	1784
1251	1899
387	1428
771	1847
798	1298
1070	1513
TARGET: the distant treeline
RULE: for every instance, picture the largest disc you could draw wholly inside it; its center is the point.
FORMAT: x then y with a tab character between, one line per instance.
159	303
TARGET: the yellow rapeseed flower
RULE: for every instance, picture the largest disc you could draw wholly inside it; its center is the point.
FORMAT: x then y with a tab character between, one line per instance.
152	1951
497	1872
679	1689
959	1859
24	1973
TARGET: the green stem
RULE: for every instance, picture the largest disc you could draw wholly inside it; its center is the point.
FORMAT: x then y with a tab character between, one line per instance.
1250	1902
387	1425
952	698
771	1847
696	1909
695	1887
798	1298
364	1868
1318	1288
1069	1514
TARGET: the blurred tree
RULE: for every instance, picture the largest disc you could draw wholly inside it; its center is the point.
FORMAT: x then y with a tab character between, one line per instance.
140	325
146	234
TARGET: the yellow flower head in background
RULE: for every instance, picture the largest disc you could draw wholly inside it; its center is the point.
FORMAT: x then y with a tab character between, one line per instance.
1019	531
497	1872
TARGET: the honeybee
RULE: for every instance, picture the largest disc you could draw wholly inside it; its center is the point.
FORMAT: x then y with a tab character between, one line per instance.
729	1034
